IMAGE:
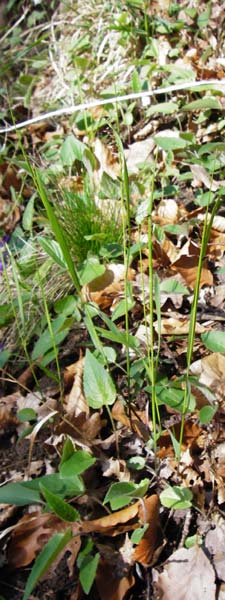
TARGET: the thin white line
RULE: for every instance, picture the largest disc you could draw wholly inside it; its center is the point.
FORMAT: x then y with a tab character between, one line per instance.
93	104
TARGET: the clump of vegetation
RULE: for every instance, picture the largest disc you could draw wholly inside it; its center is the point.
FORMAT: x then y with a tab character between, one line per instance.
86	226
112	297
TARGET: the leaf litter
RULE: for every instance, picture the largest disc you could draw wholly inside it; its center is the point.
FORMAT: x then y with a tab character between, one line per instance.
109	418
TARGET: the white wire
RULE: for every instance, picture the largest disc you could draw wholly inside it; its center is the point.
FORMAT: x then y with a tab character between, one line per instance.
68	110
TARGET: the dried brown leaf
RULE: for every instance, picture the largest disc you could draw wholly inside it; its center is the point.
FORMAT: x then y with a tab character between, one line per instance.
210	371
76	401
187	574
108	162
168	212
187	266
148	514
215	544
201	177
137	421
109	525
112	586
30	535
177	326
104	289
137	153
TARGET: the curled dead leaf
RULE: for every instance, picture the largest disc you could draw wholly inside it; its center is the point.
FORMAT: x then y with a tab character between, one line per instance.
105	288
110	525
200	176
148	514
177	326
210	371
168	211
76	401
108	162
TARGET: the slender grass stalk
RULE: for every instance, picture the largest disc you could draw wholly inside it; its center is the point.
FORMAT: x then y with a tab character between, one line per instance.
57	230
158	314
54	346
152	363
126	218
146	323
207	225
20	323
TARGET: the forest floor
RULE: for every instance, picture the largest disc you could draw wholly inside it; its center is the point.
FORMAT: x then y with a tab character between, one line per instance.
112	300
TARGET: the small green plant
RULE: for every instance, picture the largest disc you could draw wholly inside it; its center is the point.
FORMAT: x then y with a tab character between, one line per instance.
176	497
87	227
51	491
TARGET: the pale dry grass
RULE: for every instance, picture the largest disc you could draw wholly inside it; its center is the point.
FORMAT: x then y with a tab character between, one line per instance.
107	60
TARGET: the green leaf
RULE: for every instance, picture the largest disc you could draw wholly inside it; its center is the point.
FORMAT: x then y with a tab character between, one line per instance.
164	108
46	341
4	357
59	507
28	215
109	355
88	570
46	557
204	17
99	388
214	340
122	307
173	397
120	337
142	211
137	534
136	463
211	147
171	286
90	269
203	104
171	143
77	463
26	414
67	306
67	452
176	497
176	444
73	149
120	494
27	492
52	248
18	494
206	414
193	540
